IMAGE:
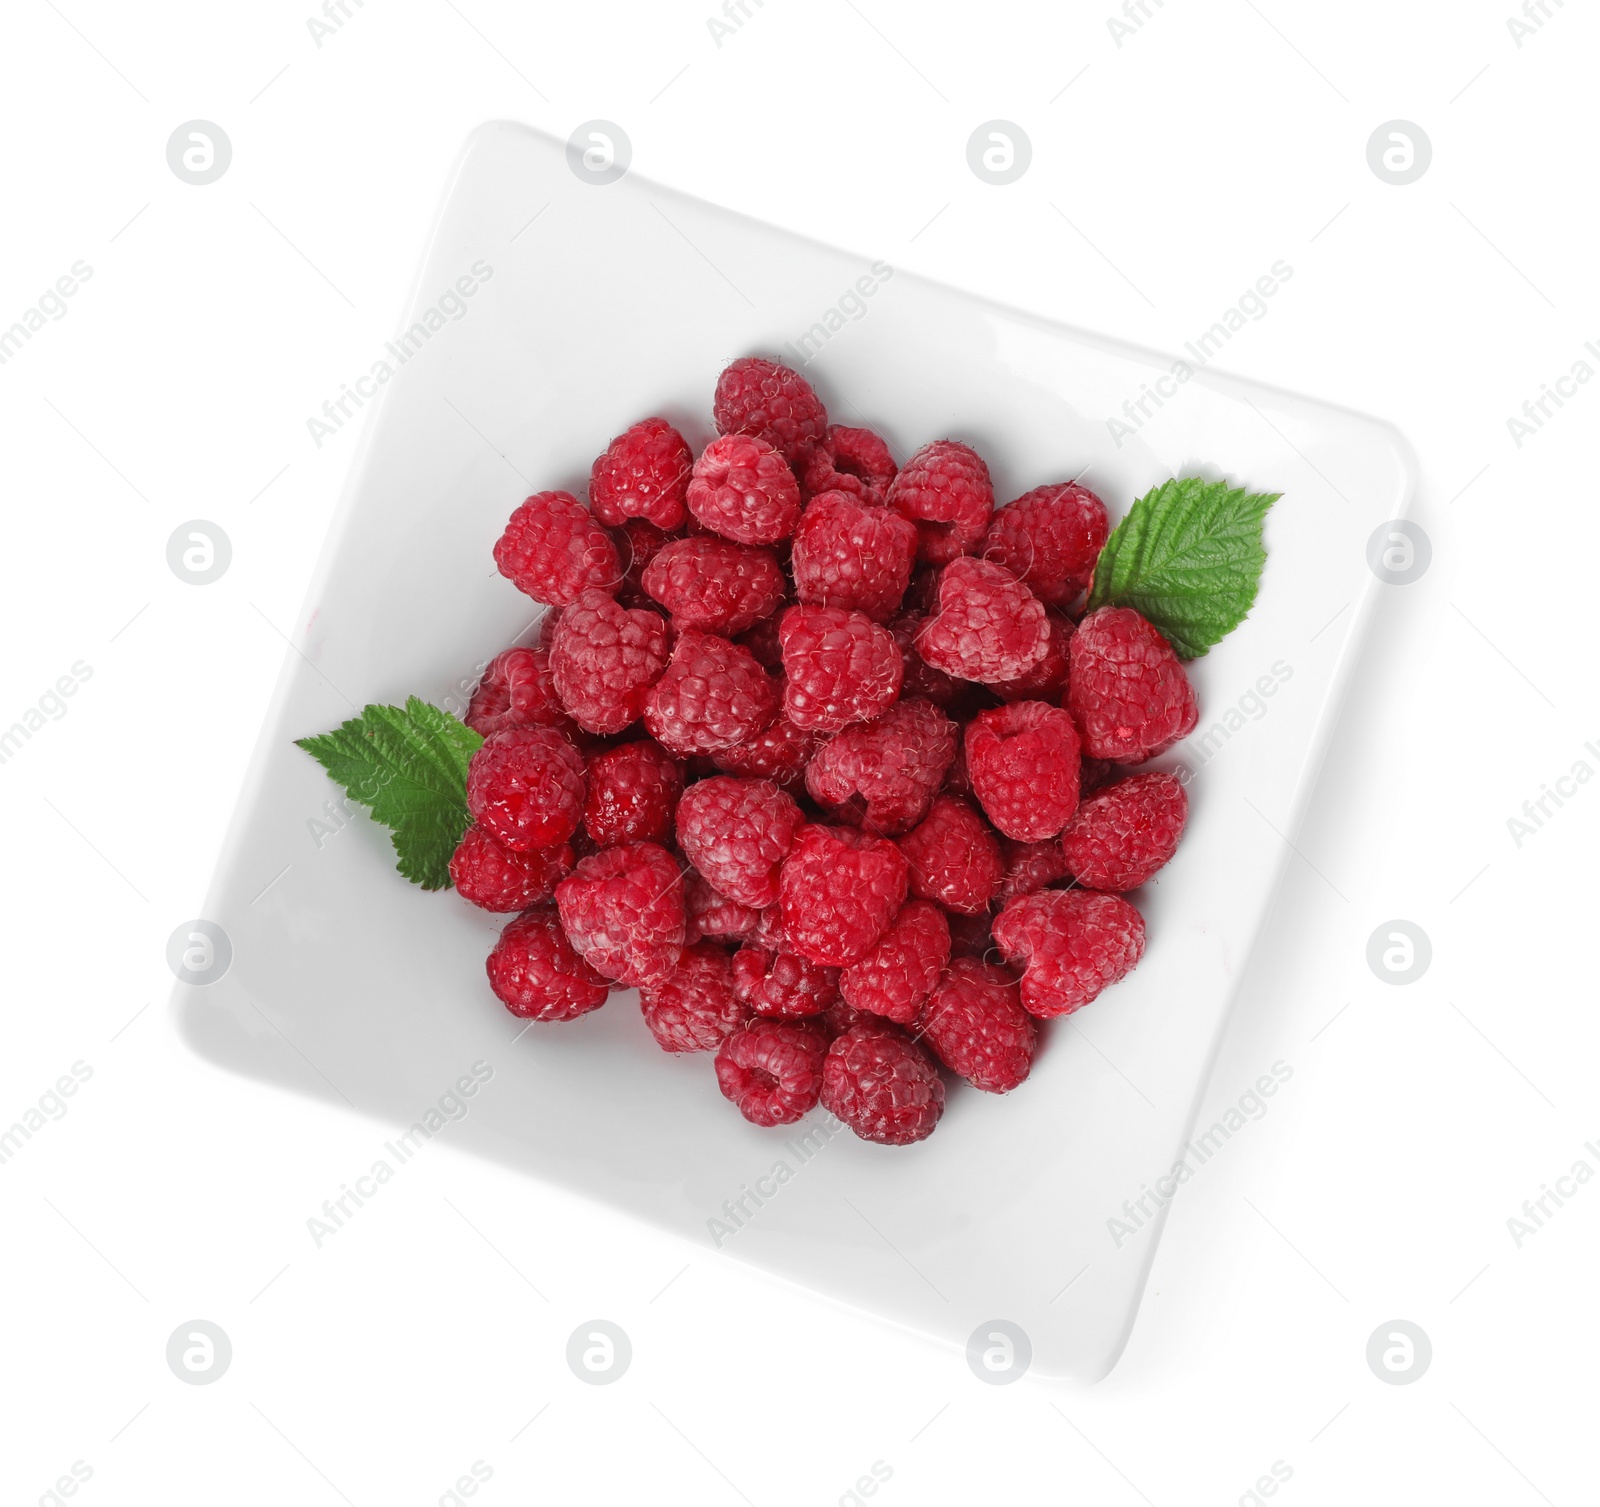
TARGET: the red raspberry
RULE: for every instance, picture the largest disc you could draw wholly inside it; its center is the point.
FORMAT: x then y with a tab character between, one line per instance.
840	667
516	690
897	975
535	972
1128	692
773	402
489	874
839	890
840	1017
1022	760
638	543
1030	867
526	786
779	753
958	780
887	771
603	660
694	1007
623	909
882	1085
849	460
762	642
1046	680
633	793
921	680
970	936
737	833
771	1070
848	553
643	474
1073	943
783	985
710	916
552	549
977	1027
713	695
989	626
768	930
1122	835
1096	774
945	490
1049	539
954	858
744	490
715	584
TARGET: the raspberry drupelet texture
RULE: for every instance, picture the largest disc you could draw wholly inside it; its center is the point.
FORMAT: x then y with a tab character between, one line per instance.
1046	680
709	916
899	973
839	890
849	460
537	973
552	548
945	490
970	936
771	1070
633	794
989	626
712	695
780	753
1122	835
883	775
744	490
603	658
775	403
1127	691
1022	760
1071	943
694	1008
715	584
492	876
516	690
1049	539
953	857
849	553
783	985
526	786
737	833
920	680
975	1023
638	543
882	1085
644	473
1030	867
623	909
839	667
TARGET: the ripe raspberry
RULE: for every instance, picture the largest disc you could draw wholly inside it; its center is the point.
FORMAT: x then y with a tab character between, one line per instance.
638	543
526	786
762	642
713	917
954	858
848	553
536	973
715	584
989	626
921	680
1049	539
773	402
1022	760
771	1070
737	833
516	690
744	490
882	1085
552	549
886	772
897	975
623	909
1073	943
633	793
839	890
603	660
970	937
840	667
1046	680
1122	835
1128	692
783	985
489	874
849	460
768	930
1030	867
694	1007
644	473
977	1027
779	753
945	490
712	695
840	1017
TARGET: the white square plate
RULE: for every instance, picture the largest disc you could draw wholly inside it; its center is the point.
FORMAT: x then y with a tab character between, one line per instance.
626	299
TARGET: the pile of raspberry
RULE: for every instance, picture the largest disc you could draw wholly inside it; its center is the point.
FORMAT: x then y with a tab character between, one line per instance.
815	753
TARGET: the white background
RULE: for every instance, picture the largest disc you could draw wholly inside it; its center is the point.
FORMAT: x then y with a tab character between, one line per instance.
1168	173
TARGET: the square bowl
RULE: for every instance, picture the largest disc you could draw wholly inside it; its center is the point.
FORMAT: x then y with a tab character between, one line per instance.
592	304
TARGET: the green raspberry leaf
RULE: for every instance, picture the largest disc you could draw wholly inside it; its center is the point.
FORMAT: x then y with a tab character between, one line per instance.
1189	557
408	766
